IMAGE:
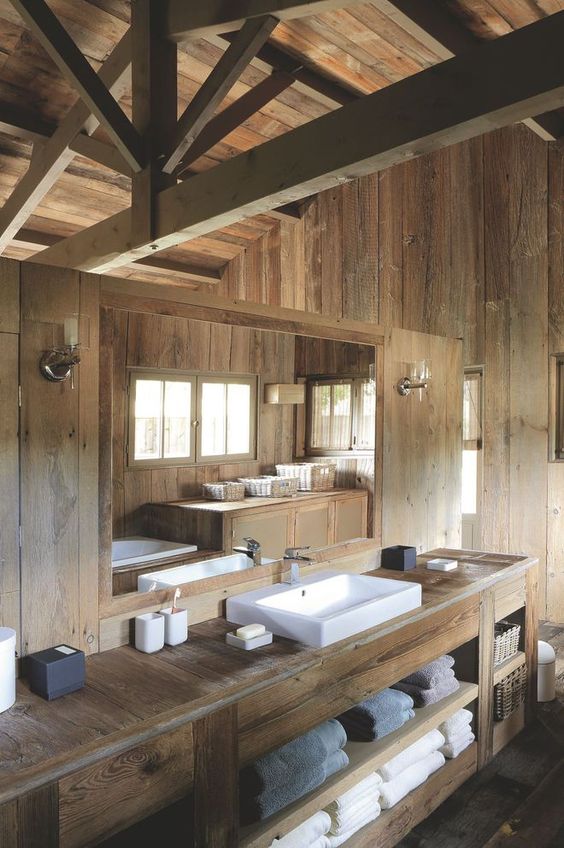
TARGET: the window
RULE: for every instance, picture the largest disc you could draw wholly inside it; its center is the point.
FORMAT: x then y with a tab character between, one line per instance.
176	418
471	442
341	415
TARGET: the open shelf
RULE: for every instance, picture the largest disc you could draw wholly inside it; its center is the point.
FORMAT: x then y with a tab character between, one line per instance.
365	757
507	666
392	825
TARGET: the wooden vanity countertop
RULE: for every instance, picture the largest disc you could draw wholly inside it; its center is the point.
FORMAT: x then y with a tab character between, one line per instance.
131	697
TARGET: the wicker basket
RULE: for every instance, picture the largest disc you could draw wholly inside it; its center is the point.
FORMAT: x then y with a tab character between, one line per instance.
312	476
227	491
506	642
270	487
509	693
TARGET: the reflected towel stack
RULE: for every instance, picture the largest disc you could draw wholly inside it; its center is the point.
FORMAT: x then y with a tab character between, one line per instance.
354	809
458	734
377	716
284	775
431	683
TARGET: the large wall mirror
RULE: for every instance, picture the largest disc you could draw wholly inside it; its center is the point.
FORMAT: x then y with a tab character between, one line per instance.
189	405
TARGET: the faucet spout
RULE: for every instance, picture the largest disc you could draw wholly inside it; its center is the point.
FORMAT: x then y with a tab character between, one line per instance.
294	556
253	550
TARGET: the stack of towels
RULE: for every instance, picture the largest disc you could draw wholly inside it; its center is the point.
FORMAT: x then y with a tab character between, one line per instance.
283	776
378	715
431	683
310	834
354	809
411	768
457	732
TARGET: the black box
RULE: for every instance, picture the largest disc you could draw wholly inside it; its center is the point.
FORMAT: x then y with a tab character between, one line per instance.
55	671
399	558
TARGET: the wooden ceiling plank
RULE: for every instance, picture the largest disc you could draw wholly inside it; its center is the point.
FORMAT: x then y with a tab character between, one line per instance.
55	154
53	37
199	20
442	32
252	36
234	115
485	88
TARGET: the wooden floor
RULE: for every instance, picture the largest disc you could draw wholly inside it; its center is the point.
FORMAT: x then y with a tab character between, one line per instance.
515	802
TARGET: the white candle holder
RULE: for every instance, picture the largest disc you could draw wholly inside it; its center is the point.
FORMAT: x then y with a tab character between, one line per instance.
175	625
149	632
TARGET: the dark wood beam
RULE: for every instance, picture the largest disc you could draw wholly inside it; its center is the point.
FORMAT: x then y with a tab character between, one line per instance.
485	88
439	29
242	49
53	37
233	116
199	20
54	155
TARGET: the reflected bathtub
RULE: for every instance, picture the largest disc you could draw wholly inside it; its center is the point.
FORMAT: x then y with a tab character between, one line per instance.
139	549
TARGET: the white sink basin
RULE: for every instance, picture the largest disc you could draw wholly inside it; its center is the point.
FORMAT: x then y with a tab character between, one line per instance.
326	607
195	571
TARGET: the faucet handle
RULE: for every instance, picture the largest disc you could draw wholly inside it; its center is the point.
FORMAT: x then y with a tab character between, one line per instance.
295	553
252	544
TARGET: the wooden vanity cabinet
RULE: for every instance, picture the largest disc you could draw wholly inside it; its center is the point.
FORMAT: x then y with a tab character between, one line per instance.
271	528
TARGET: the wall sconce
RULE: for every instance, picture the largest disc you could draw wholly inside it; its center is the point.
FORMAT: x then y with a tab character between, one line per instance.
58	362
420	374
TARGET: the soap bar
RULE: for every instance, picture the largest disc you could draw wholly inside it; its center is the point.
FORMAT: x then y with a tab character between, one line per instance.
250	631
440	564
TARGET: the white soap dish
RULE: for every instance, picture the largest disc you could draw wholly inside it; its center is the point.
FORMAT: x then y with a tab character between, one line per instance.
441	564
248	644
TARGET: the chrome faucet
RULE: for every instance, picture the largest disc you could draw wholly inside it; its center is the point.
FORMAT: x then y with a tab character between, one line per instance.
294	557
253	550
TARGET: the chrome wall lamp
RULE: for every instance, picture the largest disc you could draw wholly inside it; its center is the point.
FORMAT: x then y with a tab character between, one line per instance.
58	362
420	375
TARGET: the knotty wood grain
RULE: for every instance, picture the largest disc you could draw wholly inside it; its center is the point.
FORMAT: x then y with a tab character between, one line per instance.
216	784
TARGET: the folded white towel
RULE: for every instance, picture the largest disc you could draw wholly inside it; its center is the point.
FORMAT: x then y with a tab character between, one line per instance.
335	841
455	723
460	737
419	750
344	820
306	833
322	842
360	790
409	779
452	750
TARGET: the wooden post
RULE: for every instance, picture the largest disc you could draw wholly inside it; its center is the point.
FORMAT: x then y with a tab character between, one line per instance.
485	677
216	780
531	638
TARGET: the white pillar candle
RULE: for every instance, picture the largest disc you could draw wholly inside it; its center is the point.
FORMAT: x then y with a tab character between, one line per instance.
7	668
71	330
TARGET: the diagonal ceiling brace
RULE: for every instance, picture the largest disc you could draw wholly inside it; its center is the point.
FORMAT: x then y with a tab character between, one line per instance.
54	38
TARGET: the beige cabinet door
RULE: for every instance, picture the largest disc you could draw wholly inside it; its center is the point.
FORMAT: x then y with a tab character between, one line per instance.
312	526
271	529
350	519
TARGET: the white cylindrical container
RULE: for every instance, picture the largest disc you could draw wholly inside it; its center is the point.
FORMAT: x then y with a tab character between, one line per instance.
7	668
149	632
546	681
176	626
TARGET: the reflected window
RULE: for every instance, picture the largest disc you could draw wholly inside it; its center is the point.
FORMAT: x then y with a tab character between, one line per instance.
341	415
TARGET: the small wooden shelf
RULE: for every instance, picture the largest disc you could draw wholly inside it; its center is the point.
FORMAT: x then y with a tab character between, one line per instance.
507	666
364	757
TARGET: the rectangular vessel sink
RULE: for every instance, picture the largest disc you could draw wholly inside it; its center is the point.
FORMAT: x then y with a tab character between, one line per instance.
196	571
326	607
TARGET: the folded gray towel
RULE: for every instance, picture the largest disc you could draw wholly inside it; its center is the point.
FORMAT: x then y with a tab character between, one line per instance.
432	673
425	697
293	761
272	800
377	716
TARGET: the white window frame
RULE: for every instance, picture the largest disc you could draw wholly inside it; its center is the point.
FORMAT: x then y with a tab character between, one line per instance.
355	382
196	379
472	522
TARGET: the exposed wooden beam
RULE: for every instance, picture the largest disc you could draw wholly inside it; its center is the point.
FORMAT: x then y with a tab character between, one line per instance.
234	115
198	20
55	154
249	40
183	271
442	32
485	88
53	37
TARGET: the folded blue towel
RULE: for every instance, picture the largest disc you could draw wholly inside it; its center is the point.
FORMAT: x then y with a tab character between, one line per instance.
377	716
426	697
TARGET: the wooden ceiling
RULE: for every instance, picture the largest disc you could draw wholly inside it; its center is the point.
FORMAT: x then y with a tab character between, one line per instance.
348	52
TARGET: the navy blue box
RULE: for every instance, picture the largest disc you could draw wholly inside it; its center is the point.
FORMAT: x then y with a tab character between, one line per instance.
399	558
55	671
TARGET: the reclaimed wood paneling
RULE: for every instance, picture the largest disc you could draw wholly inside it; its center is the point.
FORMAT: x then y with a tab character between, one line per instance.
9	296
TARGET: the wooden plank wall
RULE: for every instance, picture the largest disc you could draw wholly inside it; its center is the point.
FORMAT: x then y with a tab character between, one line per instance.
157	341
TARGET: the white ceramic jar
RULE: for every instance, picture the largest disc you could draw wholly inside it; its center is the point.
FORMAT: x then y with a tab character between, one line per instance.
546	679
176	626
7	668
149	632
